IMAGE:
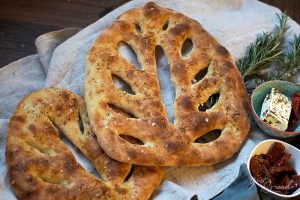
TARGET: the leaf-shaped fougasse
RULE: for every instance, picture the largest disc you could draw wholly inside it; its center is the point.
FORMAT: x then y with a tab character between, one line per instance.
41	166
167	122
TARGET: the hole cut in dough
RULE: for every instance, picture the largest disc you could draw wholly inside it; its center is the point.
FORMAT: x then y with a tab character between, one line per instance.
80	124
129	54
165	26
167	89
121	111
131	139
187	48
122	85
211	101
201	74
209	136
129	174
82	160
138	28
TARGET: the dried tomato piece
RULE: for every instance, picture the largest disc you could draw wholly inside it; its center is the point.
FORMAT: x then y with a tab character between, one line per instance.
295	181
274	170
289	184
285	180
294	118
293	122
296	104
284	159
275	153
259	169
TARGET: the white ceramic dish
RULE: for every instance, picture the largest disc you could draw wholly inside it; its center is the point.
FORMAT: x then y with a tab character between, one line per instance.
262	148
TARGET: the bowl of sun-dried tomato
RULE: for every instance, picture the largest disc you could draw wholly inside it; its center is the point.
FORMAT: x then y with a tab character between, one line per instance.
274	166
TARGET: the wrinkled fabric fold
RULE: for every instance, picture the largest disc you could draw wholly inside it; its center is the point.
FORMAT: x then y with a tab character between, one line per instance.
241	188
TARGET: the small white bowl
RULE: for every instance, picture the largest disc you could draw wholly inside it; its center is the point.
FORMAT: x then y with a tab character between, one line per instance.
262	148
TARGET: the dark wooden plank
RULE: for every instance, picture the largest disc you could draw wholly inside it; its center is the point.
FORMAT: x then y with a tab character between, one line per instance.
21	22
17	39
62	13
291	7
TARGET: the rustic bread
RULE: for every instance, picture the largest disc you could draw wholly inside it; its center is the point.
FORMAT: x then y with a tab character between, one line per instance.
41	166
162	142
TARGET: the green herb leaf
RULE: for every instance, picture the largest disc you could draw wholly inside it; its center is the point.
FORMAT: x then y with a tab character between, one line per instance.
267	48
290	63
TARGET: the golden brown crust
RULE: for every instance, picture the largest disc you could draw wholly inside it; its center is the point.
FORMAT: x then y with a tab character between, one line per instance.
41	166
164	143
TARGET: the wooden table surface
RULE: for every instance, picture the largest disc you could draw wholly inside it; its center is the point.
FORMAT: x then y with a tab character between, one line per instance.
22	21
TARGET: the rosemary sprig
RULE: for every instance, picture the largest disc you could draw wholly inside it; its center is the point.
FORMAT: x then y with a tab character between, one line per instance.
290	62
267	48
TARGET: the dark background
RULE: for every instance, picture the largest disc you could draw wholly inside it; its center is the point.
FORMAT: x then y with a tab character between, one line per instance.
22	21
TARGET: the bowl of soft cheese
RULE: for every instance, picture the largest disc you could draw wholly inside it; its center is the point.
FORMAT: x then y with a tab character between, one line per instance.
272	107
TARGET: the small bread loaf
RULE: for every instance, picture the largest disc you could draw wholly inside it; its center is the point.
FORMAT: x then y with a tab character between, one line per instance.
41	166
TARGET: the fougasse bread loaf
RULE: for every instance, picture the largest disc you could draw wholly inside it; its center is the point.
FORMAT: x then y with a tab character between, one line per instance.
116	114
41	165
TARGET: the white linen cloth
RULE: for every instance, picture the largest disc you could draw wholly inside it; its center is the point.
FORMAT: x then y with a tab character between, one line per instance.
60	62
